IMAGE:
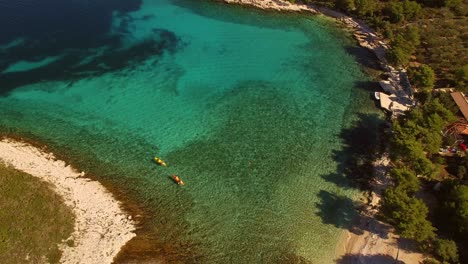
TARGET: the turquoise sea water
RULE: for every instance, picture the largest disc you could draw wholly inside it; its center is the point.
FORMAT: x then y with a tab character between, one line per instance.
246	106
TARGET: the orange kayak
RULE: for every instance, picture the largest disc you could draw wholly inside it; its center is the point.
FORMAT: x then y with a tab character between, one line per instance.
177	179
159	161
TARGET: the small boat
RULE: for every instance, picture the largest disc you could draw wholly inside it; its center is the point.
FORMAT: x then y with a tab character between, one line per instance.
160	161
377	95
177	180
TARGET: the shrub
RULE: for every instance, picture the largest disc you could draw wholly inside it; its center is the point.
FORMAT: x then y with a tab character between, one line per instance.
400	11
365	7
403	46
458	205
461	172
422	76
446	250
461	78
406	180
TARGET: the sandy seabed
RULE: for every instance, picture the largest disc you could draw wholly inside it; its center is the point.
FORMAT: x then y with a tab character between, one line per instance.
101	227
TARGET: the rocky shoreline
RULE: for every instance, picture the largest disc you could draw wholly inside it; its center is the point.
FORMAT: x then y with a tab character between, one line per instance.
278	5
101	227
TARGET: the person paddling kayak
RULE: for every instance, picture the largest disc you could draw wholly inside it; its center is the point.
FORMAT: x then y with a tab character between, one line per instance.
177	179
160	161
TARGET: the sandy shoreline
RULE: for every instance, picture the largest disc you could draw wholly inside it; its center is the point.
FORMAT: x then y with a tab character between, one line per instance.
101	226
369	237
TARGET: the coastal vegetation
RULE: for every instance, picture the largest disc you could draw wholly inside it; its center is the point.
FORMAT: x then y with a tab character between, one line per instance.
416	139
432	32
428	38
411	202
422	76
32	234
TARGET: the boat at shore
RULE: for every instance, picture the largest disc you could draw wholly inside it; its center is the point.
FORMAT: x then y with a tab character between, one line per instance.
377	95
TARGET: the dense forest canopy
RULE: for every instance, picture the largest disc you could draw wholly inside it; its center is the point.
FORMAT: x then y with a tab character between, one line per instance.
431	32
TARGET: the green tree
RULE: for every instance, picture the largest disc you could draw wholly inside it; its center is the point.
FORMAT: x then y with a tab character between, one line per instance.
422	76
432	140
407	214
447	101
346	5
365	7
411	9
411	34
419	134
394	11
412	153
403	46
458	205
461	78
401	11
456	6
398	56
406	180
435	107
446	250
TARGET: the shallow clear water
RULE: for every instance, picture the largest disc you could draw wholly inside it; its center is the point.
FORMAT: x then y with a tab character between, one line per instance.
246	106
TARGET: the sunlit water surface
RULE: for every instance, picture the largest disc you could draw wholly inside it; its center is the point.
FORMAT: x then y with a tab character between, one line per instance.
246	106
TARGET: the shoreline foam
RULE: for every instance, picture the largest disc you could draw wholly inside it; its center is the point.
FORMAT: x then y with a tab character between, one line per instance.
101	226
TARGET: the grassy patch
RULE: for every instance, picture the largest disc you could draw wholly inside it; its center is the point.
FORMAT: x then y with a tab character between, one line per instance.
33	219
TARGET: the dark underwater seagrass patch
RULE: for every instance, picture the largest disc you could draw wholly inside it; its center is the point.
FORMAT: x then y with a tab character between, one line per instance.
77	33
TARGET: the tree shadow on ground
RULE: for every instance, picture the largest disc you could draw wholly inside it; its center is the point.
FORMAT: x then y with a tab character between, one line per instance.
335	209
364	57
371	87
342	212
368	86
355	170
374	259
408	245
361	145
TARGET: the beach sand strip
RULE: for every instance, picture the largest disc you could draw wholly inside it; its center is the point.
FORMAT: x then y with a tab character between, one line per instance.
101	227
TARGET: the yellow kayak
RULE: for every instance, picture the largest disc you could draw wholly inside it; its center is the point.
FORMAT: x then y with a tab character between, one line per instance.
159	161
